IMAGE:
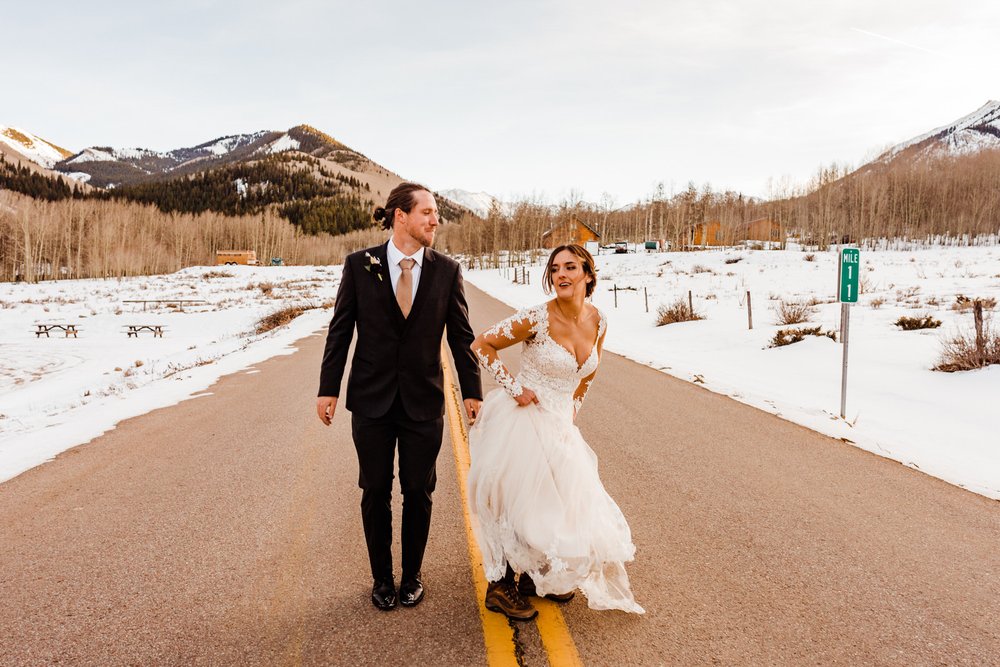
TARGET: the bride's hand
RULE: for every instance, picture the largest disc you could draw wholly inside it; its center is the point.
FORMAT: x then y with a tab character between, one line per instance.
527	397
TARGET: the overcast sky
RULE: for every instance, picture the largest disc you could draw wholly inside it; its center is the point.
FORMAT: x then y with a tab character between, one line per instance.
514	98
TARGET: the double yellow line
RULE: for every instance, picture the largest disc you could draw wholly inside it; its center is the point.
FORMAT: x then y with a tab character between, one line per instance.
497	632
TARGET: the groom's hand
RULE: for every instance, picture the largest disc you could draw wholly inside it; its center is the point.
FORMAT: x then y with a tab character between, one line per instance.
472	406
325	407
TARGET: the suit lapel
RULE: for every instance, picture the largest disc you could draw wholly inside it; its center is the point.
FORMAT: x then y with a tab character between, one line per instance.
425	284
386	285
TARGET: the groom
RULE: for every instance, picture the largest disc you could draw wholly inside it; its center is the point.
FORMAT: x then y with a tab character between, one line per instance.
401	296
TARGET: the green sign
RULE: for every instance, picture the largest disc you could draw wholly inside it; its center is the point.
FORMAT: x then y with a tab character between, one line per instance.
850	266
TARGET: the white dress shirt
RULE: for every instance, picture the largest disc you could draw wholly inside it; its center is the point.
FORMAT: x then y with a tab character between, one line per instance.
394	254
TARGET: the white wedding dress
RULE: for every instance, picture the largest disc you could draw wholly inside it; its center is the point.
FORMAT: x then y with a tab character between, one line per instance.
537	500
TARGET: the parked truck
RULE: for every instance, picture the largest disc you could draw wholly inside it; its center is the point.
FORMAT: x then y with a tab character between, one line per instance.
246	257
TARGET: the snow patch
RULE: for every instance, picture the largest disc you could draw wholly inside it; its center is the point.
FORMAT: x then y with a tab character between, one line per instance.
93	155
283	143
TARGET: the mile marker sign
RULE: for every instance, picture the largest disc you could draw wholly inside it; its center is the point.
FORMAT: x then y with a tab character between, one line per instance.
849	269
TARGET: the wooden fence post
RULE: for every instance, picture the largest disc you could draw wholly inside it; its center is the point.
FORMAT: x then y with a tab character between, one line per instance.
616	294
977	314
645	293
690	304
749	312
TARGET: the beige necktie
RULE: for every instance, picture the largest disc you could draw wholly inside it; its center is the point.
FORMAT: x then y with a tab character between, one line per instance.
404	288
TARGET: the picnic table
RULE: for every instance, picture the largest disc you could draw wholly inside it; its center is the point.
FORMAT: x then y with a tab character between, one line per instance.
134	330
46	329
177	301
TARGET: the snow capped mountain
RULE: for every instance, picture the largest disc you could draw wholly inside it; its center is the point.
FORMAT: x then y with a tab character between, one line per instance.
479	203
978	131
33	147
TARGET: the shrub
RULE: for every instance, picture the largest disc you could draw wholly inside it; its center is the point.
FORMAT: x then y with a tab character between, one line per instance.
961	353
266	288
963	303
678	312
810	257
913	323
733	260
788	336
700	268
278	318
792	312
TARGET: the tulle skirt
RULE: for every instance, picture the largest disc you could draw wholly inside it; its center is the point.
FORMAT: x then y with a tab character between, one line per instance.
539	504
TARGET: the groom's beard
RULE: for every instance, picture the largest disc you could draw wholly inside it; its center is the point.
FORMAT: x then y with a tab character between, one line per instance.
423	239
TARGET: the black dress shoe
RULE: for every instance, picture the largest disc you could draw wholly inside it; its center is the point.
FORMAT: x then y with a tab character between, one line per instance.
411	591
384	594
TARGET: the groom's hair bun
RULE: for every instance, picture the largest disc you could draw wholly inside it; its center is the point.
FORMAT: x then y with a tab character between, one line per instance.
401	197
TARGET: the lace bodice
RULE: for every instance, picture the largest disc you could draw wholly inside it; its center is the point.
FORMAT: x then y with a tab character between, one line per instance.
547	368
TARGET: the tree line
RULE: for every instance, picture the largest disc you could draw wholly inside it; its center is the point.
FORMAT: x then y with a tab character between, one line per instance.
97	238
955	198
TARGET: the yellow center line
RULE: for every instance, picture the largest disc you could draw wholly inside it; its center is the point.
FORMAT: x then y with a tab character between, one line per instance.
497	632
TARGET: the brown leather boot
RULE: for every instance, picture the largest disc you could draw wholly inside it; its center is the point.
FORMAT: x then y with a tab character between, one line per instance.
526	587
502	597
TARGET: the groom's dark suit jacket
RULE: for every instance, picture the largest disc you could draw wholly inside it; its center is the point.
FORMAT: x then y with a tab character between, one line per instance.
396	354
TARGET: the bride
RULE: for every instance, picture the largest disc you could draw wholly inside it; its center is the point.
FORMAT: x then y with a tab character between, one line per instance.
539	504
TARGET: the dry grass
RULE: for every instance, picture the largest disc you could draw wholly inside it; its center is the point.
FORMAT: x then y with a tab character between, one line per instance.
792	312
677	312
961	353
278	318
810	257
216	274
914	323
788	336
701	268
963	303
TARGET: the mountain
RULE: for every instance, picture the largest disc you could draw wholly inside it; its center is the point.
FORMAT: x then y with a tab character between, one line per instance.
302	174
971	134
34	148
479	203
118	167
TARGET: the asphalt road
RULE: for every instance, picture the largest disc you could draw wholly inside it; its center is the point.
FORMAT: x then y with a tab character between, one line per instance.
226	530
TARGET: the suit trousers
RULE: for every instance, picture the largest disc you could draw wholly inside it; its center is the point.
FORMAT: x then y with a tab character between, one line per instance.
419	443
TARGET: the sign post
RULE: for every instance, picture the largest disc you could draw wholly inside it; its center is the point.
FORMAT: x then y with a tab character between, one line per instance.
848	270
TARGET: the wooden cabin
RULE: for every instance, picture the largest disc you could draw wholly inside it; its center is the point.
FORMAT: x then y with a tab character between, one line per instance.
714	233
571	231
709	233
761	229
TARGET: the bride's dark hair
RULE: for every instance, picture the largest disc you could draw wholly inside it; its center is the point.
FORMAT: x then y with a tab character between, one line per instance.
401	197
586	261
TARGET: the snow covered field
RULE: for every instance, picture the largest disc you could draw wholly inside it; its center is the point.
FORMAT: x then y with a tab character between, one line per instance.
941	423
59	392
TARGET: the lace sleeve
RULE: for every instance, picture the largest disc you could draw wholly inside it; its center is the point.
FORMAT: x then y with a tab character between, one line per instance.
515	329
584	386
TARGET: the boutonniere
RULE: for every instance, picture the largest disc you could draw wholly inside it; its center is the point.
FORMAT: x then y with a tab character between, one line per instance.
374	262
